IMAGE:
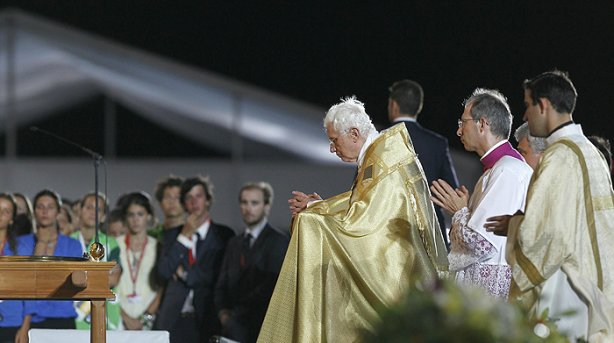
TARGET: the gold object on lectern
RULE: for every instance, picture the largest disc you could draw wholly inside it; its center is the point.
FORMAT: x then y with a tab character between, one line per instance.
96	252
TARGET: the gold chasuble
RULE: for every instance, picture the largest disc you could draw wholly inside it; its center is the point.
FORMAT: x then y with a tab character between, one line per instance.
357	252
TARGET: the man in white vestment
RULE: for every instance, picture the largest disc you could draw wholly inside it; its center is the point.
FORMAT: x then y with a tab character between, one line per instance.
478	257
560	248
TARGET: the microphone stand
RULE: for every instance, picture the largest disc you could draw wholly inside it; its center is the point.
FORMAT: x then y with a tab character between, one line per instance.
96	250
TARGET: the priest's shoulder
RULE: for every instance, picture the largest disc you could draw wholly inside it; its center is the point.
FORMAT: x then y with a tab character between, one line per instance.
562	148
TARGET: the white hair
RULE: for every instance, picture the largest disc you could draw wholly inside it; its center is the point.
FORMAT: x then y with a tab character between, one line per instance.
537	144
349	113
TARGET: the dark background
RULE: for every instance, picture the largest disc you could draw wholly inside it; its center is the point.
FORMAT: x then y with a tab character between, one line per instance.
318	52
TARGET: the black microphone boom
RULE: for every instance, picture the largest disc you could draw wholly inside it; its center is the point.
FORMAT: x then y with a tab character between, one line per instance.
67	141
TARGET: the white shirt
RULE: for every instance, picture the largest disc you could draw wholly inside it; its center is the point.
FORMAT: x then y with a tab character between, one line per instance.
404	118
200	232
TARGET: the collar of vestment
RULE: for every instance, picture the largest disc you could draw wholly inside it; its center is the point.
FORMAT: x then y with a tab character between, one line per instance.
404	118
565	124
370	138
497	151
567	130
256	229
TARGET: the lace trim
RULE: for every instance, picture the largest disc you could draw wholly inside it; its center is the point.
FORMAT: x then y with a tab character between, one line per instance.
461	216
495	279
467	246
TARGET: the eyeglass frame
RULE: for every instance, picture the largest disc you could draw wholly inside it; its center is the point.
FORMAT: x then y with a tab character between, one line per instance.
461	121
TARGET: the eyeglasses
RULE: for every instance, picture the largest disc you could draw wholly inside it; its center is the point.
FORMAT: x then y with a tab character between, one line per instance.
461	121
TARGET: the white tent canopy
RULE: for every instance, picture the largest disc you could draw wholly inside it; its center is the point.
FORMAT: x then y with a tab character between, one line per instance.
46	66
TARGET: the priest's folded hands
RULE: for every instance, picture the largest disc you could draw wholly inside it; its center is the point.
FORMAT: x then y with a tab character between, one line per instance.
448	198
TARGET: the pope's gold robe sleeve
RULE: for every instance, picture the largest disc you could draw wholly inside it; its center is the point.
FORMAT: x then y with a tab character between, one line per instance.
336	204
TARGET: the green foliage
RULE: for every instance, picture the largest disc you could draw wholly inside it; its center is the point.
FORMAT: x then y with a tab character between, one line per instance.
448	313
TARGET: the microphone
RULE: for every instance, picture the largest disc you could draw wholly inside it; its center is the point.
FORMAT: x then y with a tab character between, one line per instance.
96	250
90	152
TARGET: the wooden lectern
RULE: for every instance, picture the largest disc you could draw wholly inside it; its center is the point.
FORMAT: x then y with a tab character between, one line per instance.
44	277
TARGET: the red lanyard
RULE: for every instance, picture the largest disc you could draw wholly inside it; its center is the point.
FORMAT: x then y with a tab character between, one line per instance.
134	274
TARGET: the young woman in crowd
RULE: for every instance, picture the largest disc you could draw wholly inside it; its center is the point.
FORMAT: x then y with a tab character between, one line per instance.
11	311
47	241
137	290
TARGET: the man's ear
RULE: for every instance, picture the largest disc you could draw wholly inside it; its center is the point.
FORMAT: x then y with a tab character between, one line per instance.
354	134
394	106
394	110
543	104
483	122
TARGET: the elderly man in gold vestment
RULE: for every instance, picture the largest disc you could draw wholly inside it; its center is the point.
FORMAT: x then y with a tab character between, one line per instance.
358	251
560	249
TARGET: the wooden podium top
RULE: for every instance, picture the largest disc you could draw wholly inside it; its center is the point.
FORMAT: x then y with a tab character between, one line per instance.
53	278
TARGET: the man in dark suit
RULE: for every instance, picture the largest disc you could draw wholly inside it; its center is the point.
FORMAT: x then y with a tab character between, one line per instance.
251	266
190	261
404	105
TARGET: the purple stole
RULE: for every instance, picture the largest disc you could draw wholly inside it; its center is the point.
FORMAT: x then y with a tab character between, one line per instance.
504	149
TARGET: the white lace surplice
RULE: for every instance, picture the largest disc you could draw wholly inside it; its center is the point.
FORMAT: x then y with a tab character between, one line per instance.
478	256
